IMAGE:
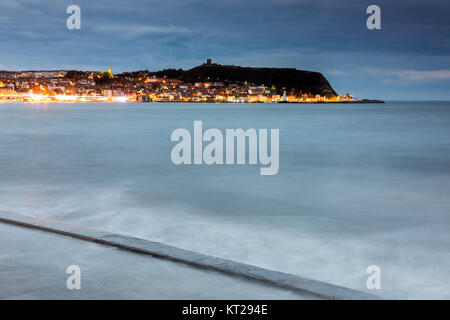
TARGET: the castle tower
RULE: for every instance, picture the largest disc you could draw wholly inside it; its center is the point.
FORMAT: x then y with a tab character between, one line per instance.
110	74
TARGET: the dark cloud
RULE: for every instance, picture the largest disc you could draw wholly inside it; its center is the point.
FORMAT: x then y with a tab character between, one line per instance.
323	35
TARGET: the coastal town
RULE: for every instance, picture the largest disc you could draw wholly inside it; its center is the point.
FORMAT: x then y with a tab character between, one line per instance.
144	86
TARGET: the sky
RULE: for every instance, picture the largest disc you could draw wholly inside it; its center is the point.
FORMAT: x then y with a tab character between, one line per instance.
407	59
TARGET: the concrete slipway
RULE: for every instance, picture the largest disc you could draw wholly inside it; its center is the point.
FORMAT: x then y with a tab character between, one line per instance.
33	265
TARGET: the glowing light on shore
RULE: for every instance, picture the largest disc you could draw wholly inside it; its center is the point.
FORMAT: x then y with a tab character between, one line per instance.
66	98
121	99
37	97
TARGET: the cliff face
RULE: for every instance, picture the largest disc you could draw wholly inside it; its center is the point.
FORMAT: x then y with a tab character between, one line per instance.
306	81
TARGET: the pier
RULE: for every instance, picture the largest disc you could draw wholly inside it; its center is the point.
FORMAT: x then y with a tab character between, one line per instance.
309	287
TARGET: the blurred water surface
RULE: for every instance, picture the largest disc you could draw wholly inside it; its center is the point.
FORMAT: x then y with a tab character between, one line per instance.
359	184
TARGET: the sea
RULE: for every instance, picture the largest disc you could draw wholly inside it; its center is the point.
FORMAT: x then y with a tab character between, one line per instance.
358	185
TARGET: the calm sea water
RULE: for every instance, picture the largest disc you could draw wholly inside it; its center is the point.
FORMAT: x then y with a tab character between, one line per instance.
358	185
